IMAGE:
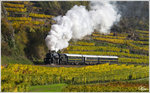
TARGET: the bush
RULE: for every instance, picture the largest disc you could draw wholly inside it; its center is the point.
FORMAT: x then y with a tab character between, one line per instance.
21	41
7	37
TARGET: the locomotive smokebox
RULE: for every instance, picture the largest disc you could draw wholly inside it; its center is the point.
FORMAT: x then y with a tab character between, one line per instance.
52	57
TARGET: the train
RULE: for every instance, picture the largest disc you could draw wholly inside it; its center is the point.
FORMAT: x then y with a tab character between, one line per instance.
53	57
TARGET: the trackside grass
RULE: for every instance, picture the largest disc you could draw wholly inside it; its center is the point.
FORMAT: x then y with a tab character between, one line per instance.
48	88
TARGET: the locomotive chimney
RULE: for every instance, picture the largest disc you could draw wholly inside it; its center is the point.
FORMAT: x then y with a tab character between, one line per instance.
52	51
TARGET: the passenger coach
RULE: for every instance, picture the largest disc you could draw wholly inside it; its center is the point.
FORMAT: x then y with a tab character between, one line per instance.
57	58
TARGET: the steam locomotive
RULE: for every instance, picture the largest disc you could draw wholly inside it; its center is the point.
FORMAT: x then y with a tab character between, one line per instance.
77	59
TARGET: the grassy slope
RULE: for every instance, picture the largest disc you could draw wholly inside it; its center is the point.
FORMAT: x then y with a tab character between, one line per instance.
47	88
14	60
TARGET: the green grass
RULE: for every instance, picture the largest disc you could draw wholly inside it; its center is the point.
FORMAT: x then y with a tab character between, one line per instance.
14	60
142	80
47	88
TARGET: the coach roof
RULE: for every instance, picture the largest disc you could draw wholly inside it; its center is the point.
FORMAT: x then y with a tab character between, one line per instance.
92	56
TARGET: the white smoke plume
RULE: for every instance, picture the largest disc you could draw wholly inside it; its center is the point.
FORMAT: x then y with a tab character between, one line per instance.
79	22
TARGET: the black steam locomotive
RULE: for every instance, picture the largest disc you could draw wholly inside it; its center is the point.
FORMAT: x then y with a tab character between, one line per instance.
63	59
54	58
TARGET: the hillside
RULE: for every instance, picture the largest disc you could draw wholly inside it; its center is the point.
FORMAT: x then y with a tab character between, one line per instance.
26	24
116	44
24	27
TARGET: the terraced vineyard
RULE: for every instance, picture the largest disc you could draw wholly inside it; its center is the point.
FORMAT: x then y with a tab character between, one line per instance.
21	77
24	27
129	51
25	13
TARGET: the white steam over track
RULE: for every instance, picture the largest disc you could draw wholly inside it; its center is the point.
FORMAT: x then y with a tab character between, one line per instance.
79	22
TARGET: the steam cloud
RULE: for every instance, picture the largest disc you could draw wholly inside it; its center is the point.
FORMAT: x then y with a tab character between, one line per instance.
79	22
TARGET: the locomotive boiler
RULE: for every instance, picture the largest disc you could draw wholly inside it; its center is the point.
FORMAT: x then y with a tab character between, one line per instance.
53	57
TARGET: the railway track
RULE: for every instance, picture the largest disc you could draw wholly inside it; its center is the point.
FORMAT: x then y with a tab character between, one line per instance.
54	65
